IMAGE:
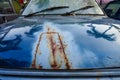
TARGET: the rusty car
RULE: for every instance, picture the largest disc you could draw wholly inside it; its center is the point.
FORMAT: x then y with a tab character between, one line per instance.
60	39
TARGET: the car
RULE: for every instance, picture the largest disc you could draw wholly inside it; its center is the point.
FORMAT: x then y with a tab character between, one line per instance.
112	9
60	39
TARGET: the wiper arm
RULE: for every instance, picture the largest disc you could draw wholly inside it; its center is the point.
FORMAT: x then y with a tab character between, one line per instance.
48	9
83	8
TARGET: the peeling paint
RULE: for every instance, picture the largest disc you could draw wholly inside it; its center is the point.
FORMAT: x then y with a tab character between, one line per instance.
57	54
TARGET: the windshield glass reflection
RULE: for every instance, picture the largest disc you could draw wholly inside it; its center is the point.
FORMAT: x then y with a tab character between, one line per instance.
38	5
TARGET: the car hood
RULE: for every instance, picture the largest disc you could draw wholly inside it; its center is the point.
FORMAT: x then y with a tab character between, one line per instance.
60	43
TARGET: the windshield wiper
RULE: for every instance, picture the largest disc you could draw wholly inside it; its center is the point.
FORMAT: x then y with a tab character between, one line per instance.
48	9
83	8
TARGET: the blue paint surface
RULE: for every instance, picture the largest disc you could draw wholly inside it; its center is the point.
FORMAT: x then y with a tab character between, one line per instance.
96	43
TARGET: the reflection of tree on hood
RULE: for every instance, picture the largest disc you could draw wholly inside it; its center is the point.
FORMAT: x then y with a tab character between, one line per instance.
33	30
10	44
97	34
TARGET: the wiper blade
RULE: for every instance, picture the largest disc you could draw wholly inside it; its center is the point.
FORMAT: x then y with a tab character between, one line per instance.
83	8
48	9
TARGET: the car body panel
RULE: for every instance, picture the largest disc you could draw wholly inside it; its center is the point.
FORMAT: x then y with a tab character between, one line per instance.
54	46
82	74
26	44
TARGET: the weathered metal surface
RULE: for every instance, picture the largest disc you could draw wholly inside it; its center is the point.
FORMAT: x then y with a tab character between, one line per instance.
74	47
57	54
52	45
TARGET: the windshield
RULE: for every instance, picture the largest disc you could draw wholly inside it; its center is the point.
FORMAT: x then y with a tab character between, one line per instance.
73	5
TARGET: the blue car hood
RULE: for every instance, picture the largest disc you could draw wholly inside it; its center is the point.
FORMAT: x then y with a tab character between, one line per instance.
60	43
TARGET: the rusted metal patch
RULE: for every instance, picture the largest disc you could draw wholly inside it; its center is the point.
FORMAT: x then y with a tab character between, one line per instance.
55	49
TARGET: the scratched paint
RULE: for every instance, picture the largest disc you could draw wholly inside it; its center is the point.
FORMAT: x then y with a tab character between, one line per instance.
56	50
